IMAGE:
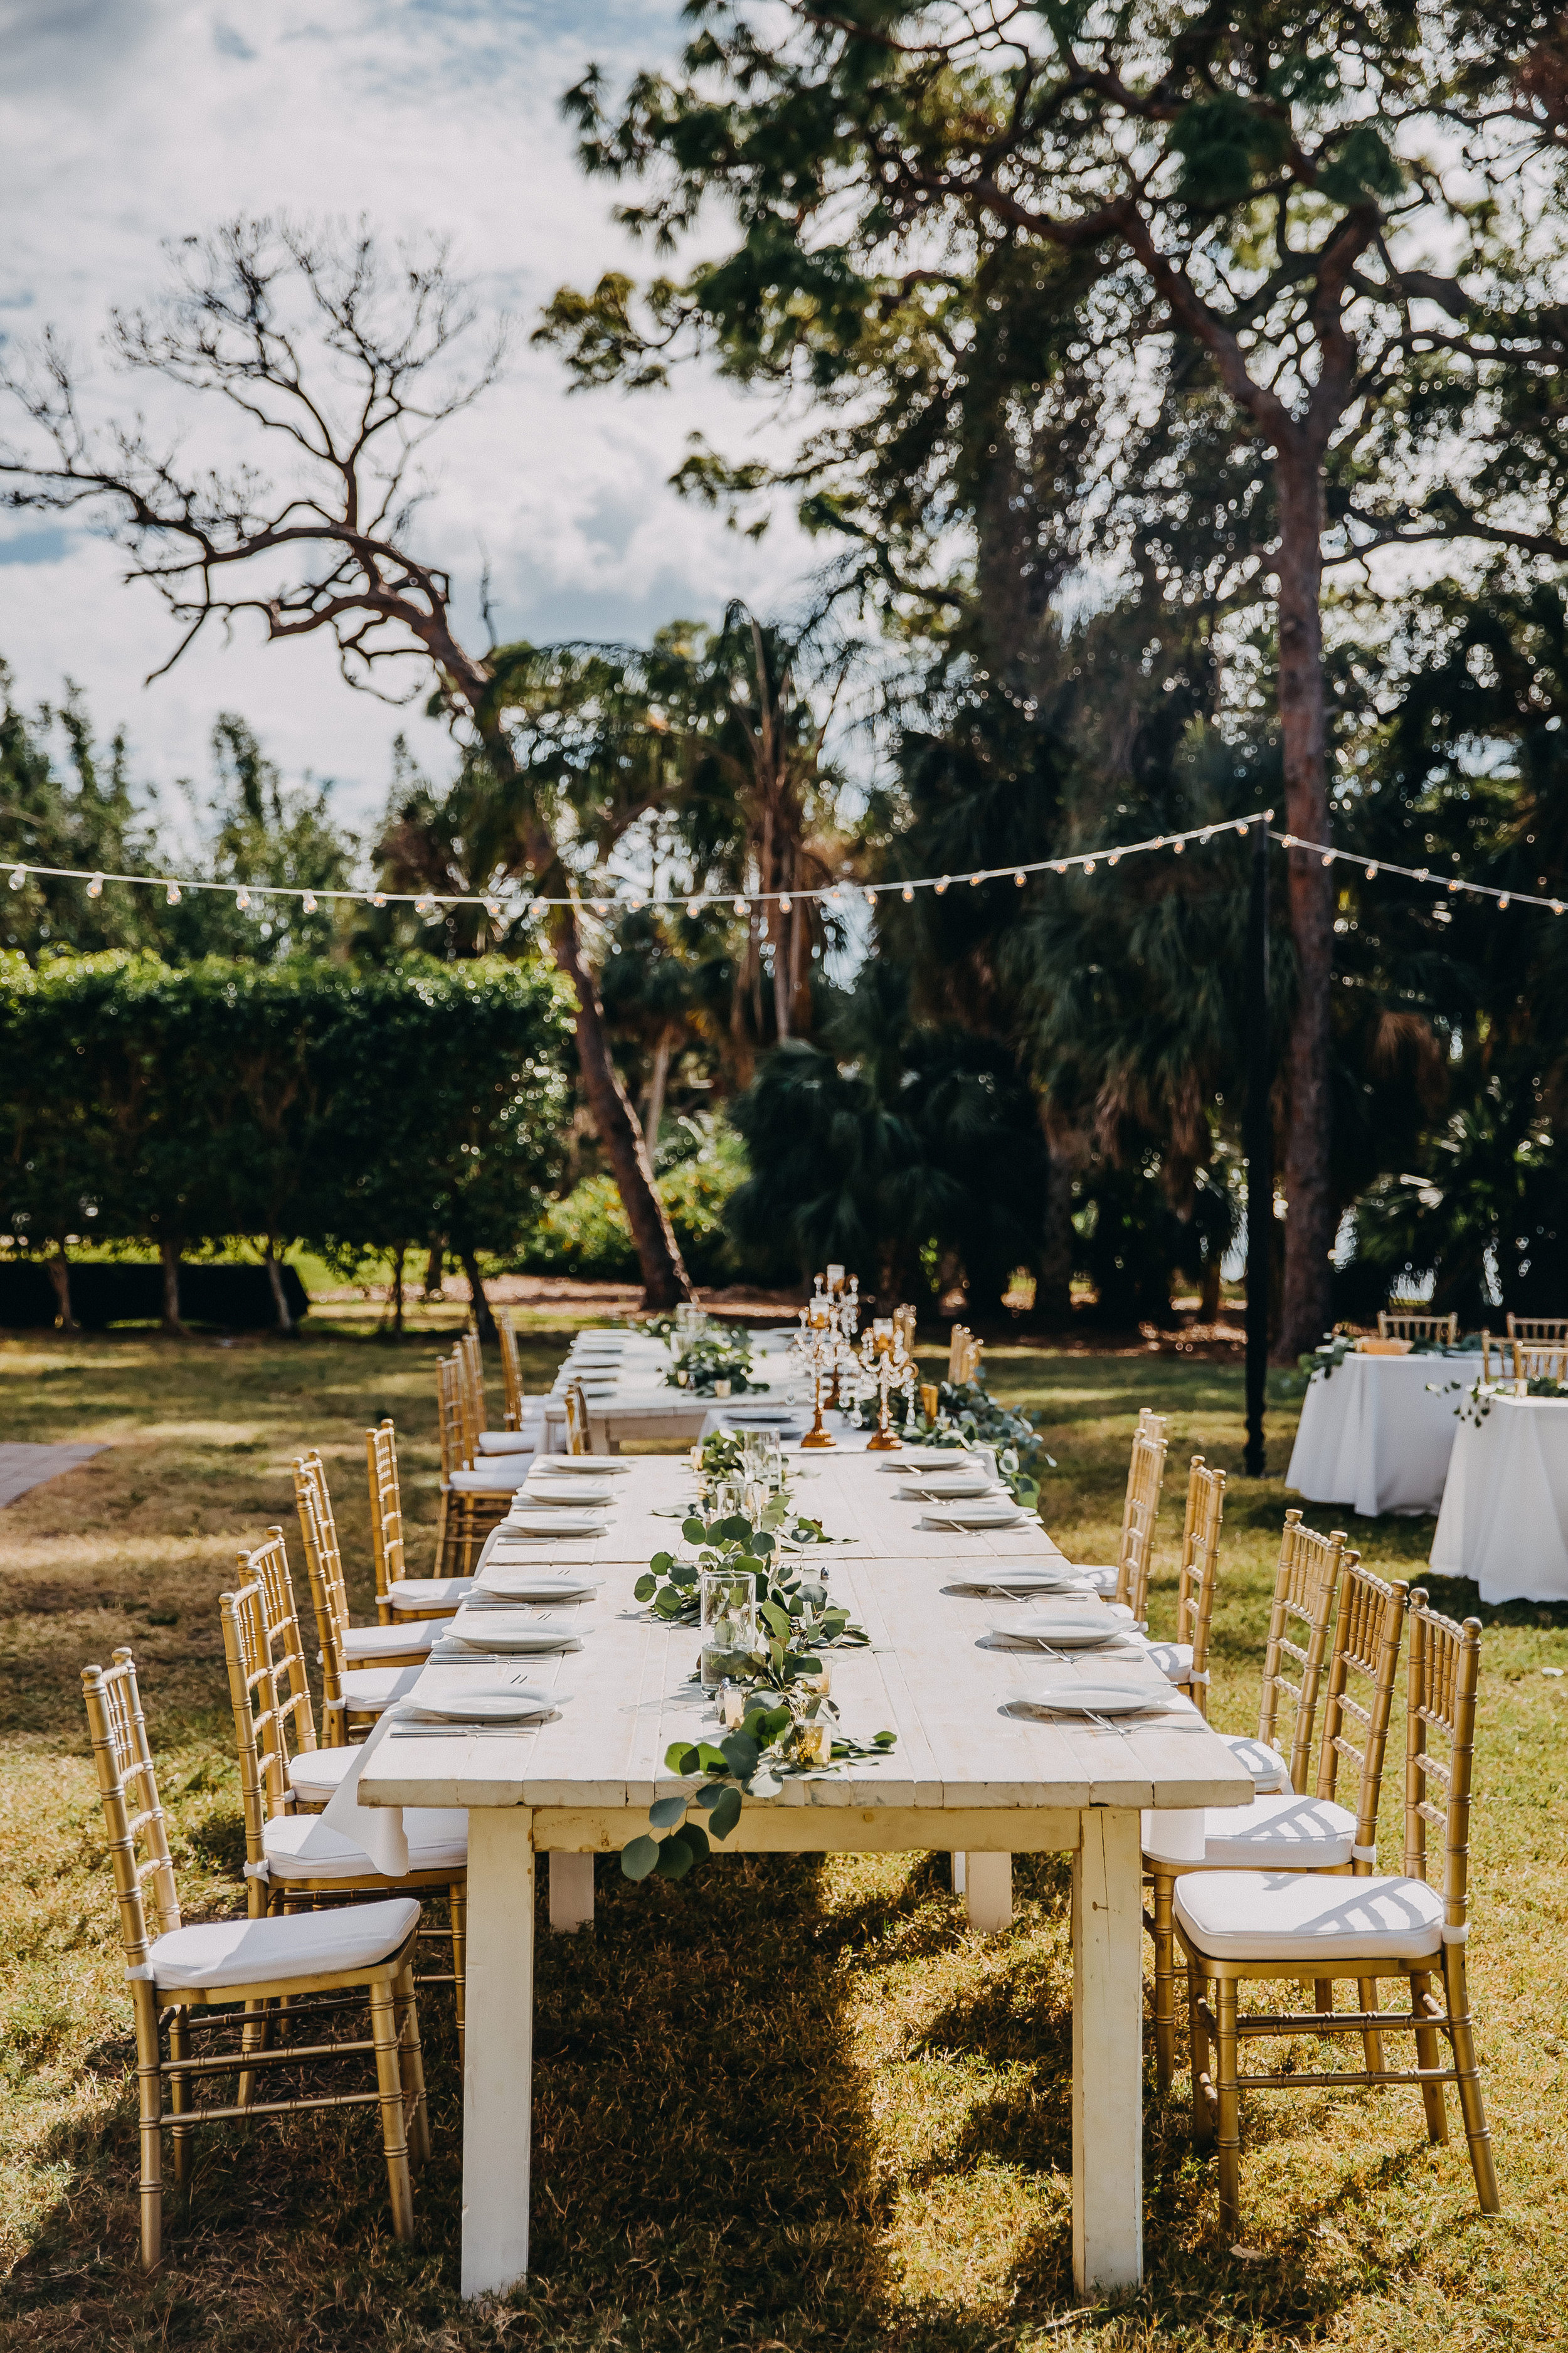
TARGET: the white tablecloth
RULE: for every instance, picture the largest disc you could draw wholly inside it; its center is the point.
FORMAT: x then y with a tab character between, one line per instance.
1505	1510
1376	1433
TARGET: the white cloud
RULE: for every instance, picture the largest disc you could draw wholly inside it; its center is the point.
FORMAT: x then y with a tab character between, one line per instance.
120	127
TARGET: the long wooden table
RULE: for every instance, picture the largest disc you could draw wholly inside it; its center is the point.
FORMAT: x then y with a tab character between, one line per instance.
971	1772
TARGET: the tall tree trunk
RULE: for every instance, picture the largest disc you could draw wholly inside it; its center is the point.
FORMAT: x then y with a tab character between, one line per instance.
484	1321
653	1107
665	1279
1053	1280
1310	1214
433	1266
398	1256
60	1276
274	1284
169	1254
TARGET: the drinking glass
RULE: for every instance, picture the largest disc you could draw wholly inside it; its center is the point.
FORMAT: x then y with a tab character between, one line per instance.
727	1601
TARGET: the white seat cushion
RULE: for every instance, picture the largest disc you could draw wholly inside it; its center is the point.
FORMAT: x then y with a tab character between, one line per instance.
362	1645
367	1690
507	1442
1270	1773
1271	1834
1174	1660
300	1846
260	1952
315	1773
1330	1923
1103	1580
430	1592
502	1476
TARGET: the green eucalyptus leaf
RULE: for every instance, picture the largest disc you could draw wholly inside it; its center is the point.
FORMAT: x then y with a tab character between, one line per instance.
667	1603
693	1531
682	1759
674	1859
695	1837
740	1753
645	1587
773	1617
712	1760
725	1812
665	1813
639	1857
662	1563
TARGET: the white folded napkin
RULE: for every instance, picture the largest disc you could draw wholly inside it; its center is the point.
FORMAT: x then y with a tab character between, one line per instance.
378	1830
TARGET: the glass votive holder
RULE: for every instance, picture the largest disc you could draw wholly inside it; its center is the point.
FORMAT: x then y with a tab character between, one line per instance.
729	1497
815	1744
731	1706
727	1606
722	1388
930	1398
772	1460
821	1682
754	1501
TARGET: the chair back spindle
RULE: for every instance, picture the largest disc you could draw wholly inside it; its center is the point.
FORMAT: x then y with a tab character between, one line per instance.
1533	1361
385	1515
1139	1513
1305	1587
1199	1570
127	1791
1410	1324
579	1437
1442	1677
512	1369
1550	1330
1367	1634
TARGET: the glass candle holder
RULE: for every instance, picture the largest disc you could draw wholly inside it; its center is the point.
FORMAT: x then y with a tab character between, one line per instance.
726	1604
814	1744
930	1398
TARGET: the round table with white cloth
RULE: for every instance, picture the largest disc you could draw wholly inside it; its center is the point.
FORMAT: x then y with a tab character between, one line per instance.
1505	1510
1376	1433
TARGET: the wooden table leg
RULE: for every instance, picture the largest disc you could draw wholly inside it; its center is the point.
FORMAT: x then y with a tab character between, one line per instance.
988	1891
498	2067
1107	2052
571	1884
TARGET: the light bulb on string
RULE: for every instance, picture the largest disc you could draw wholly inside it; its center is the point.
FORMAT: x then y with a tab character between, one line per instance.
1178	845
1018	878
1088	866
1328	857
171	895
869	895
95	888
942	884
906	893
1114	858
1453	886
1502	902
975	880
308	903
378	898
1371	872
785	902
1241	827
1205	836
742	907
19	876
1060	866
492	909
599	906
242	900
836	897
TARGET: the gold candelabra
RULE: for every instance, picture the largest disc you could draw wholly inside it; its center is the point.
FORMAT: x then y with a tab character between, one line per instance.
885	1364
827	1345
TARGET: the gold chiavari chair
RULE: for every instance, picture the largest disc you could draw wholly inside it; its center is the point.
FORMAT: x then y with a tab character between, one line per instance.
404	1643
1239	1925
904	1321
481	1441
512	1370
351	1697
579	1433
957	1353
294	1858
1532	1362
1305	1583
1185	1661
184	1977
1550	1331
1488	1347
1409	1324
1126	1584
398	1598
314	1771
475	1496
1285	1829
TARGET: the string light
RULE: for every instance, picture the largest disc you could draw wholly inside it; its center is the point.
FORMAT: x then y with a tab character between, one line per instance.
696	903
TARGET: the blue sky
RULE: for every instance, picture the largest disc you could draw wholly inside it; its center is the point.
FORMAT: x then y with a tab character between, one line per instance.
120	126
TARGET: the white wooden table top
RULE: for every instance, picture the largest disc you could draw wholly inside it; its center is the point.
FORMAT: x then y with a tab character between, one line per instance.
929	1675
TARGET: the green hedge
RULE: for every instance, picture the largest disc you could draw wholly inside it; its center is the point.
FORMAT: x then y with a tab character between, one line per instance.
585	1234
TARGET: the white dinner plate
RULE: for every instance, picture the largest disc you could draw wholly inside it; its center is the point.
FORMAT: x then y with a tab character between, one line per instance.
557	1491
1052	1629
542	1522
950	1490
1012	1584
518	1583
985	1513
487	1703
579	1466
1065	1695
511	1629
924	1458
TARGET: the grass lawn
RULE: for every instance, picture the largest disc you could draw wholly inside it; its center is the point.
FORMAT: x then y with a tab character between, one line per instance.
789	2104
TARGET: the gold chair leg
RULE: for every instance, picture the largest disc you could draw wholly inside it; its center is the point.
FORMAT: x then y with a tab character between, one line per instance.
412	2059
1164	1979
254	2035
149	2103
179	2094
1230	2109
1324	1996
1429	2053
442	1517
1472	2106
394	2130
458	1901
1372	2041
1203	2113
